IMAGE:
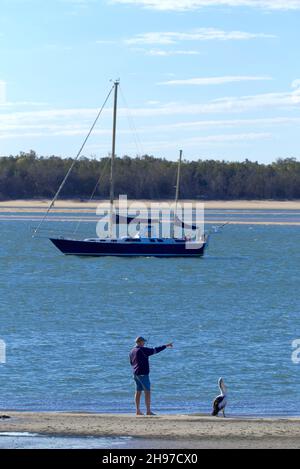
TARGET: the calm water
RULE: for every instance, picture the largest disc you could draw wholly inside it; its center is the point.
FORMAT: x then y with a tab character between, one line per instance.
36	441
69	324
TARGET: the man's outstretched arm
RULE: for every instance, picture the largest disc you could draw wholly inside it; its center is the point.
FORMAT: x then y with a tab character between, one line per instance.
153	351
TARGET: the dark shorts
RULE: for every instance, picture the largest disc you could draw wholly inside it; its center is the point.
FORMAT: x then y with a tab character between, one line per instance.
142	382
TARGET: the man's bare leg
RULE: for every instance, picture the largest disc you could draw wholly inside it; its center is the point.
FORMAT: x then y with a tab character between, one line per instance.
148	402
138	402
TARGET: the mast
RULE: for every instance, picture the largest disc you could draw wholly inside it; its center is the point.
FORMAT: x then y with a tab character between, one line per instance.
113	155
177	191
178	181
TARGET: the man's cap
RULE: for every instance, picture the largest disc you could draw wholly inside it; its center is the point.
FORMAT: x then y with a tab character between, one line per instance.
140	339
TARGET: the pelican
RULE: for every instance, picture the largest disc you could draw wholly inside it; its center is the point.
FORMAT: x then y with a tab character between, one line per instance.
220	402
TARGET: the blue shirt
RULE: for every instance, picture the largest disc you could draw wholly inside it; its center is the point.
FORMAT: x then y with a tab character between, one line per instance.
139	358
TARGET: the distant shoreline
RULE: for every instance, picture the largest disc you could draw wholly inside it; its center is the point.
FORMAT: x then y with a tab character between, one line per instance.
238	212
174	430
210	204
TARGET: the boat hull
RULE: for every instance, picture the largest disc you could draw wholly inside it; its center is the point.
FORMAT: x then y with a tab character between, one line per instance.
122	249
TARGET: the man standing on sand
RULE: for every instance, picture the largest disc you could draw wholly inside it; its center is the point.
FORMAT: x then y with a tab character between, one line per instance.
139	360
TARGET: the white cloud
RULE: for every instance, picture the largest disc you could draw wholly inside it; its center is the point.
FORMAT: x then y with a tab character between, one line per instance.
78	4
169	53
9	104
2	92
200	34
247	103
186	5
214	80
226	105
33	129
70	122
106	42
214	140
4	104
153	103
250	136
224	123
173	38
296	84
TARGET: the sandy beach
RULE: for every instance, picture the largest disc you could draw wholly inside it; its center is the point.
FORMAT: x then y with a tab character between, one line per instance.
166	431
239	212
25	205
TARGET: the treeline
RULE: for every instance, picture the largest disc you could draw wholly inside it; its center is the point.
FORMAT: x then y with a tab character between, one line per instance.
30	176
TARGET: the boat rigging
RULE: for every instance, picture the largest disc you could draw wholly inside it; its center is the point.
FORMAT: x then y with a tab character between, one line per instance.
141	244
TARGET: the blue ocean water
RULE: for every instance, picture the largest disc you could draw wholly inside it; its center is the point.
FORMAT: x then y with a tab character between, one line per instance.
69	324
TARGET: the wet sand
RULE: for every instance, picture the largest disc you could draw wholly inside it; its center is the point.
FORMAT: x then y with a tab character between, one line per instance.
166	431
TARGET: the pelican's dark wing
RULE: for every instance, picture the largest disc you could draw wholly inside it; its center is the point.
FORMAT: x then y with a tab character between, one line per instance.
217	405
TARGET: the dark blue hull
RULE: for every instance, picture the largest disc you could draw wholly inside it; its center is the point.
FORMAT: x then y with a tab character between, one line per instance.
125	249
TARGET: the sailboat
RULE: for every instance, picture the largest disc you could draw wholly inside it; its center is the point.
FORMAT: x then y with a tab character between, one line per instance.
142	244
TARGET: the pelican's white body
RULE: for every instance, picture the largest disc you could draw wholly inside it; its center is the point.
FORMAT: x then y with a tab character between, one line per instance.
220	401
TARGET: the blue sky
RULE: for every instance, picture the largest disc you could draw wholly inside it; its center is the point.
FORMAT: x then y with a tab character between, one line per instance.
218	78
